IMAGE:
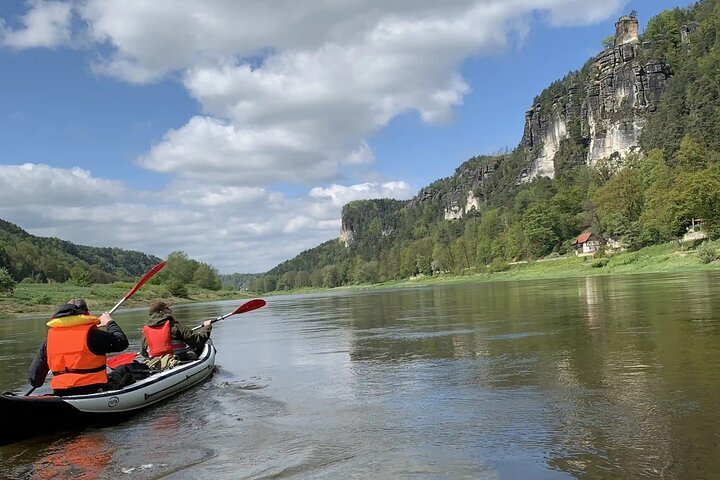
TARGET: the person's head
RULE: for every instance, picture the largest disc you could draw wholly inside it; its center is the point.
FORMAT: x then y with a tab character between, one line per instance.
75	306
80	303
159	307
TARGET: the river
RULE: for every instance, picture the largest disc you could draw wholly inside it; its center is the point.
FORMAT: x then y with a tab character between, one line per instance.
592	378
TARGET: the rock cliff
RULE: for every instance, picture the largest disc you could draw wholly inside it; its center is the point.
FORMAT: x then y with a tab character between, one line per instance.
607	102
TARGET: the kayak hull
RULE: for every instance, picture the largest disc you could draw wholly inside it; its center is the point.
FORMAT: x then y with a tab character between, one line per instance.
40	414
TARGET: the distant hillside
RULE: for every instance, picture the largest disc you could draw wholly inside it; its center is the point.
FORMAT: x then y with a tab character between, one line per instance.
627	147
51	259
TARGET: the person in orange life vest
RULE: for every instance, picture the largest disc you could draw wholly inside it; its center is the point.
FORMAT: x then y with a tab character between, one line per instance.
75	349
164	335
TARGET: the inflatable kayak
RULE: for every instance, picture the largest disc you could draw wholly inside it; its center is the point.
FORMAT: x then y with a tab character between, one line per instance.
33	415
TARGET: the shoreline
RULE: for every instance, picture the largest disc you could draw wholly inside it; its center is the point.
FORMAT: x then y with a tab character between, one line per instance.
656	259
32	300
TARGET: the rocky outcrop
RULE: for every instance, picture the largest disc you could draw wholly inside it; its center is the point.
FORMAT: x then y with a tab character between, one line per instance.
347	235
609	99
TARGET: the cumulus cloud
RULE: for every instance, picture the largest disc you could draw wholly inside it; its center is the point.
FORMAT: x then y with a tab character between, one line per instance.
46	24
339	195
43	186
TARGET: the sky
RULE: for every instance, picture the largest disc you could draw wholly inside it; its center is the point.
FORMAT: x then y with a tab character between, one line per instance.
235	130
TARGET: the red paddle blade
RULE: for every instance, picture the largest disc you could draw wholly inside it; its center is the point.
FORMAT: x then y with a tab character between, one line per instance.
249	306
145	278
122	359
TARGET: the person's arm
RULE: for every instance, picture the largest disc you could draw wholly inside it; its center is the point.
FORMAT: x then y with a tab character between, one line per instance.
144	346
114	340
39	367
194	338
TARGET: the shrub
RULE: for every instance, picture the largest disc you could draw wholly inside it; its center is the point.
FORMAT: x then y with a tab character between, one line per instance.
42	299
176	288
707	252
599	262
498	265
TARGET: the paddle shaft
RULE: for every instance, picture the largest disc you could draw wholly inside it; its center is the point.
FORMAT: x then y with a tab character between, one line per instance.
30	391
248	306
139	284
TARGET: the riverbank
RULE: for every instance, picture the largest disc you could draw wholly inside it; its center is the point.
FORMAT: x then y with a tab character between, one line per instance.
44	298
665	258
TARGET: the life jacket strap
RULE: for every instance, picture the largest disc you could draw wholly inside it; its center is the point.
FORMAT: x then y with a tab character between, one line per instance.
80	370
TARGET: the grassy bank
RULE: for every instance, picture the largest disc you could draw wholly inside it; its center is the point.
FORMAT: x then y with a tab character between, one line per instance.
670	257
44	298
32	299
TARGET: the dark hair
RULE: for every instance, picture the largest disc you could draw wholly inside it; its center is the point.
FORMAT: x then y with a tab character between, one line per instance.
80	303
159	307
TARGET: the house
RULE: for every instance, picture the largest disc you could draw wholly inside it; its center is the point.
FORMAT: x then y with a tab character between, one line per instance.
587	243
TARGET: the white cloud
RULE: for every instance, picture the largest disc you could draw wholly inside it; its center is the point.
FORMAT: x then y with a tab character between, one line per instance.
43	186
46	24
339	195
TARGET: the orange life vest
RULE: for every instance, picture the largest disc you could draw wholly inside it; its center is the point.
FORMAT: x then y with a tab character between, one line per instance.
69	358
159	339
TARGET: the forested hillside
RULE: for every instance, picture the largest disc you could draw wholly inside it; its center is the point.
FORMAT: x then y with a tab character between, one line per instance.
33	259
42	259
627	147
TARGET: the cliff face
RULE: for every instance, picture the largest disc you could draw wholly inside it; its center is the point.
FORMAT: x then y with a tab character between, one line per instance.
609	100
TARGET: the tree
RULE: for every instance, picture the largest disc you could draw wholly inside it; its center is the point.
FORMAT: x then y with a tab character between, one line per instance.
180	267
698	195
691	156
620	201
80	277
207	277
7	282
608	42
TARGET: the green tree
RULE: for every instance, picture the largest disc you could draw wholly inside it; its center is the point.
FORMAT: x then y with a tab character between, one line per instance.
302	279
608	42
7	282
691	156
620	201
80	277
179	267
207	277
698	196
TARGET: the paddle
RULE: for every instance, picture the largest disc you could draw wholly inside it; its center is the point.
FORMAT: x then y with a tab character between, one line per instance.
250	305
139	284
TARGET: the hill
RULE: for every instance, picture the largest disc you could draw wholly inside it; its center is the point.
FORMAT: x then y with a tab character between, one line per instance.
43	259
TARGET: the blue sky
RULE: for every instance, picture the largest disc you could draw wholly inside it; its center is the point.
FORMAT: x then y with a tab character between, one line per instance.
235	131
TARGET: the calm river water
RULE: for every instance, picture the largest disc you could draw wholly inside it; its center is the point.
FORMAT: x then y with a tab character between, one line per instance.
594	378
